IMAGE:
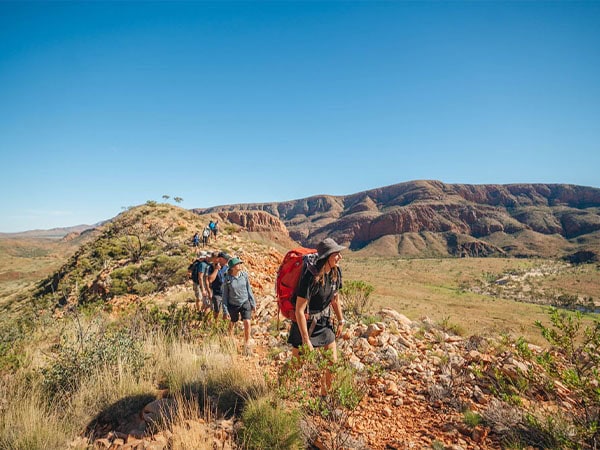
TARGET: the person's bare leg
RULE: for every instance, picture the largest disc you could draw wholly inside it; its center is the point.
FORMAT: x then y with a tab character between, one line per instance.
246	331
326	379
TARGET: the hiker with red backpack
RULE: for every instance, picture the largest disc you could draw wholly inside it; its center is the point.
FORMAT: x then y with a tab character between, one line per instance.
316	294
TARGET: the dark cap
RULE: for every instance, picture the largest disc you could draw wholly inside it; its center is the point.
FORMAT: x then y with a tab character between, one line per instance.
224	255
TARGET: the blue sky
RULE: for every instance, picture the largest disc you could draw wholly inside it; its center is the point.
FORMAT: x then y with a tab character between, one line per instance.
105	105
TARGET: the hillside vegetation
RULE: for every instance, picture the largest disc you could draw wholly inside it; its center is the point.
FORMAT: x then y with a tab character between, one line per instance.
108	352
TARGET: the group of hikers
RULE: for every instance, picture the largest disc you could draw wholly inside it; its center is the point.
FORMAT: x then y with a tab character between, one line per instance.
210	230
221	286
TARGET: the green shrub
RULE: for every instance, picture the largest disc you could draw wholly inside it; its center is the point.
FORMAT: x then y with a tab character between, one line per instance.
12	337
575	361
356	296
155	274
451	327
267	425
84	354
347	392
145	288
173	322
472	418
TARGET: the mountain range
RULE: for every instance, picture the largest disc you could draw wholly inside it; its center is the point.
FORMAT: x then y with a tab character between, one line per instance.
430	219
427	218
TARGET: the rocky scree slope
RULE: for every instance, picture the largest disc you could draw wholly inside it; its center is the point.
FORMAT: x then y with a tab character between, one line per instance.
431	218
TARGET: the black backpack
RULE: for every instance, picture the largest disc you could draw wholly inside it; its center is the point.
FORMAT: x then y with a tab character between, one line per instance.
194	267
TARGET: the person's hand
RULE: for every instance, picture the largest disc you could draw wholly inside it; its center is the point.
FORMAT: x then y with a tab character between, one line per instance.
307	347
340	328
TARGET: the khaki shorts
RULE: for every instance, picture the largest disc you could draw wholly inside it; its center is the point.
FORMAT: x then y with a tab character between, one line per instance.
197	291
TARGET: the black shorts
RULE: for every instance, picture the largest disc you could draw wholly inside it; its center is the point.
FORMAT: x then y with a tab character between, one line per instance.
321	336
244	310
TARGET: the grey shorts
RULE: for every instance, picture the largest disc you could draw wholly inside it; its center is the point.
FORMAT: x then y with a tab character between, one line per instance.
244	310
217	303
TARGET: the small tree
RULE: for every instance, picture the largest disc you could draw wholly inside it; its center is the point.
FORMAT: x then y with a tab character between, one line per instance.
166	197
178	199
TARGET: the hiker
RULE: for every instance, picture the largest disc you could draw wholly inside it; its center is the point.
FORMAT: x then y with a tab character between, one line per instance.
205	235
202	268
196	239
211	226
196	272
238	299
215	276
215	229
315	295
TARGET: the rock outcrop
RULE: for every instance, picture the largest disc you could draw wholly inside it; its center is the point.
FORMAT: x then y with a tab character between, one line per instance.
255	221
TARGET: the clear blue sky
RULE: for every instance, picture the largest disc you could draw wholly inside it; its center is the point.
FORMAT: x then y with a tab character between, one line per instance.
107	105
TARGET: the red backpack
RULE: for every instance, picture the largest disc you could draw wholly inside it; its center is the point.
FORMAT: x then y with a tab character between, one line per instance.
288	276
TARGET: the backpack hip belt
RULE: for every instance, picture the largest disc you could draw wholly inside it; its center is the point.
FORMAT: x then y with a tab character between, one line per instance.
314	318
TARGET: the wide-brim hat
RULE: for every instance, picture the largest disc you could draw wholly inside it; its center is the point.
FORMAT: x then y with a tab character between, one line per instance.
328	246
234	261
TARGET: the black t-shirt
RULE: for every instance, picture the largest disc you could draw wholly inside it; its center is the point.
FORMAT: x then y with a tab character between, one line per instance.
318	295
217	284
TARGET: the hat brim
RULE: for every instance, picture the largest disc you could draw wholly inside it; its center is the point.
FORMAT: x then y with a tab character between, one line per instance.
331	251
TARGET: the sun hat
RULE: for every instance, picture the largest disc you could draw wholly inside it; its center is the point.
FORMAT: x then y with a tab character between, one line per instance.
234	261
328	246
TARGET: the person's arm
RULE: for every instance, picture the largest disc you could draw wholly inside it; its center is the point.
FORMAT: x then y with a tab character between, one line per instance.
337	310
226	297
204	283
213	276
301	305
250	293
